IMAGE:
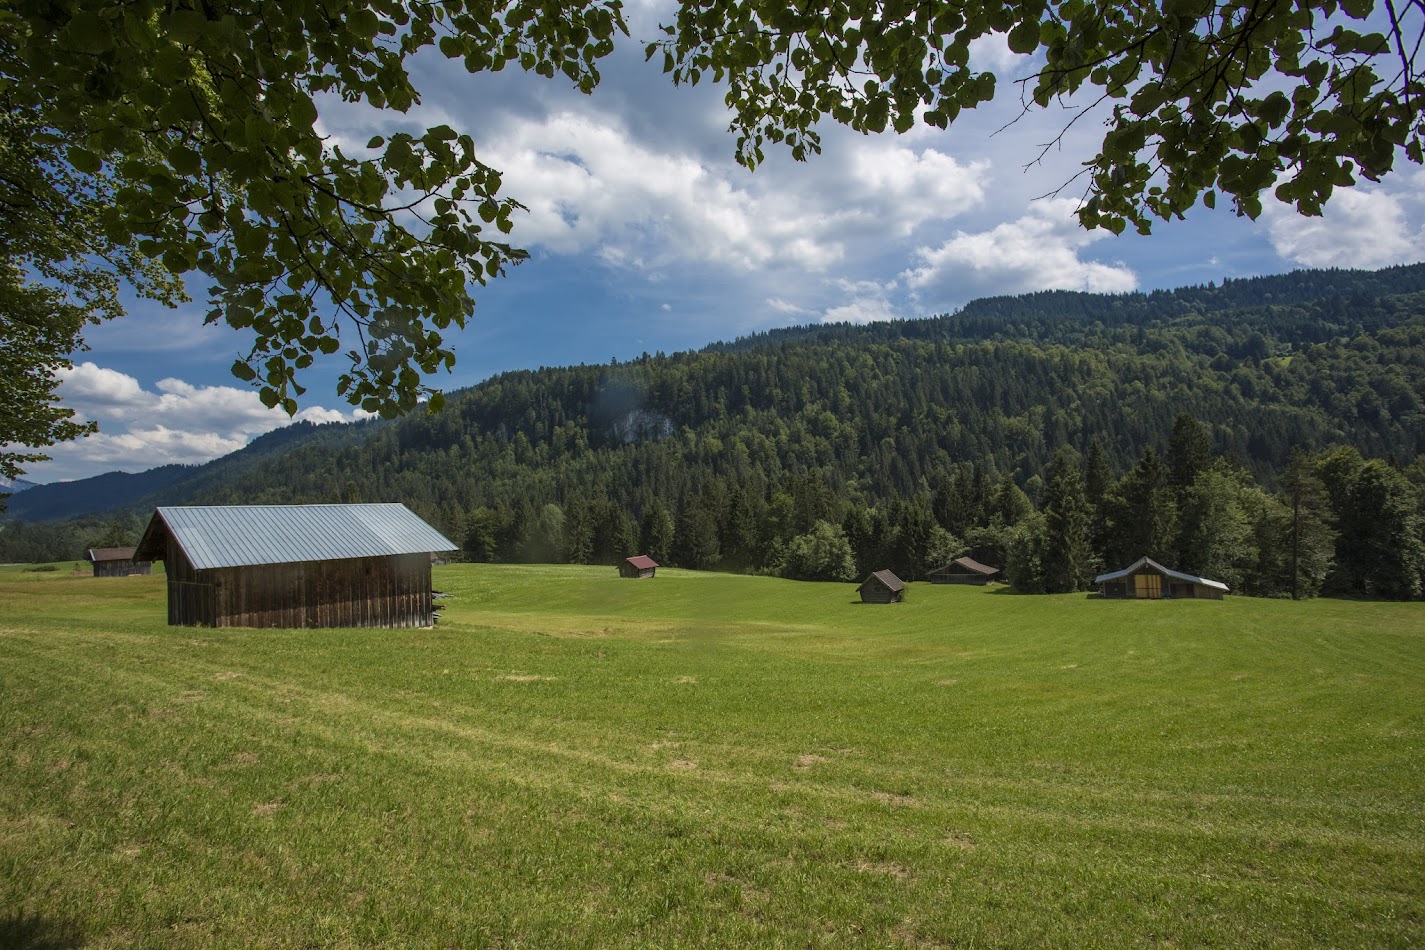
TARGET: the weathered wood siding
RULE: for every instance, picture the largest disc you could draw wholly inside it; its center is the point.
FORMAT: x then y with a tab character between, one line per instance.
628	570
874	592
121	568
969	577
354	592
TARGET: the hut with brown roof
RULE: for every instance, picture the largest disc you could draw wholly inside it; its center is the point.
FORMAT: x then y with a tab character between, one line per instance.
116	562
640	565
882	587
963	570
296	565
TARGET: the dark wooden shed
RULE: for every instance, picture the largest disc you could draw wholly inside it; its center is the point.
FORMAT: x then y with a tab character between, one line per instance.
963	570
116	562
640	565
882	587
295	565
1146	579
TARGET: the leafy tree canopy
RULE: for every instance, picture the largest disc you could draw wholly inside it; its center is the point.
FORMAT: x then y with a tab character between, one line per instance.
187	131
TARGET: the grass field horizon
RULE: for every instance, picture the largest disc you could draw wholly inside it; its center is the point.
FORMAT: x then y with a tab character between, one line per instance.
572	759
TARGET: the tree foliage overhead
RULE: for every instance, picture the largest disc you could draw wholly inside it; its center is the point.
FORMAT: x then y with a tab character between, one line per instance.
1202	97
186	131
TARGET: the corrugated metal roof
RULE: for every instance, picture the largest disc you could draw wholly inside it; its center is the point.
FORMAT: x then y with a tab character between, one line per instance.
641	561
241	535
1176	575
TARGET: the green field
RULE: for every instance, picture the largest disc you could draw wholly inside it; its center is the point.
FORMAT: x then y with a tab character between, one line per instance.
570	759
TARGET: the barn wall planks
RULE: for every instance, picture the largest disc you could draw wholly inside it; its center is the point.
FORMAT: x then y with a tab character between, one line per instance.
389	591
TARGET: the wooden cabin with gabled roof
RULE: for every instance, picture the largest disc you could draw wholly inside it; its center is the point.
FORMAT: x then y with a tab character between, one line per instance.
963	570
882	587
116	562
296	565
640	565
1146	579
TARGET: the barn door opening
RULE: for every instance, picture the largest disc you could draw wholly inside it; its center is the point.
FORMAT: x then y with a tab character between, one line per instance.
1149	586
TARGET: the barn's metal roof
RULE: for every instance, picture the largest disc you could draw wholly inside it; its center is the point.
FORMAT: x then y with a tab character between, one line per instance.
641	562
1149	562
242	535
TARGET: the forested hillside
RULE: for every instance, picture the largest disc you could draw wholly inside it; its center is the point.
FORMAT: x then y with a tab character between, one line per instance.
908	440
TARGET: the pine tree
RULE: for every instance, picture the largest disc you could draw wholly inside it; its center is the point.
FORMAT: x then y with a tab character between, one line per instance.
1067	554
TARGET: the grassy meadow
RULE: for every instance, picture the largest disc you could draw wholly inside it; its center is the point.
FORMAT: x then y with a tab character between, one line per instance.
571	759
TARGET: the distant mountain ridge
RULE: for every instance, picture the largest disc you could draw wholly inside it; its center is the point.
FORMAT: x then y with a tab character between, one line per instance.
876	411
173	484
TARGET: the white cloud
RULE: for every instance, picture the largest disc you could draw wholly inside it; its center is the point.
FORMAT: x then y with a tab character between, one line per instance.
591	187
1038	251
177	423
869	302
1358	228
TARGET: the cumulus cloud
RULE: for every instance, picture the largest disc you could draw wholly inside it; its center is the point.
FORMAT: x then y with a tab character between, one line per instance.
176	422
1359	228
1038	251
592	187
866	302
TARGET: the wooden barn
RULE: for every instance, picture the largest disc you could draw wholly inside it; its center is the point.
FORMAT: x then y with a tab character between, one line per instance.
882	587
963	570
295	565
1146	579
640	565
116	562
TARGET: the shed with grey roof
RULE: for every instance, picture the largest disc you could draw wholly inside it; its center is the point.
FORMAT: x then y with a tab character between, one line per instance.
295	565
1146	579
882	587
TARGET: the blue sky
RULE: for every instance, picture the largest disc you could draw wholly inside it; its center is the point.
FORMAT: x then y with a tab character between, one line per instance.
645	235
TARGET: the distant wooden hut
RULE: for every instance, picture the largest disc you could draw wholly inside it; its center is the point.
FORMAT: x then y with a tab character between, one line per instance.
963	570
116	562
1146	579
640	565
882	587
295	565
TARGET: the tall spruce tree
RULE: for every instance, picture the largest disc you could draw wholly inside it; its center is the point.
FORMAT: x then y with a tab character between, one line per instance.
1144	515
1067	557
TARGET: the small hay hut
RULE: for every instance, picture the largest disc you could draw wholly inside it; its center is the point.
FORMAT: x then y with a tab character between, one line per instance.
640	565
116	562
1146	579
295	565
882	587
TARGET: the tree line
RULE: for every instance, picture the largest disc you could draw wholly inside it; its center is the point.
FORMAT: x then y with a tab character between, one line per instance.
915	436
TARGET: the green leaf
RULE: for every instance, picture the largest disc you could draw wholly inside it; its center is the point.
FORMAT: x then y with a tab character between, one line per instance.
243	372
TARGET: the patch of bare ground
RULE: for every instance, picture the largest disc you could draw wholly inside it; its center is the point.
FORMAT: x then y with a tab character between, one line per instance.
892	799
959	840
241	761
687	680
804	763
949	682
266	808
524	678
190	697
683	765
226	676
888	868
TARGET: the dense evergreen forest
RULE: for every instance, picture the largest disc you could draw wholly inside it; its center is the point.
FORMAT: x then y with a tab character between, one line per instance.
1262	432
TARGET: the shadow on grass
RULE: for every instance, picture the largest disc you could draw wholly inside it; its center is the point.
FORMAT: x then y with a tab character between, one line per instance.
19	931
